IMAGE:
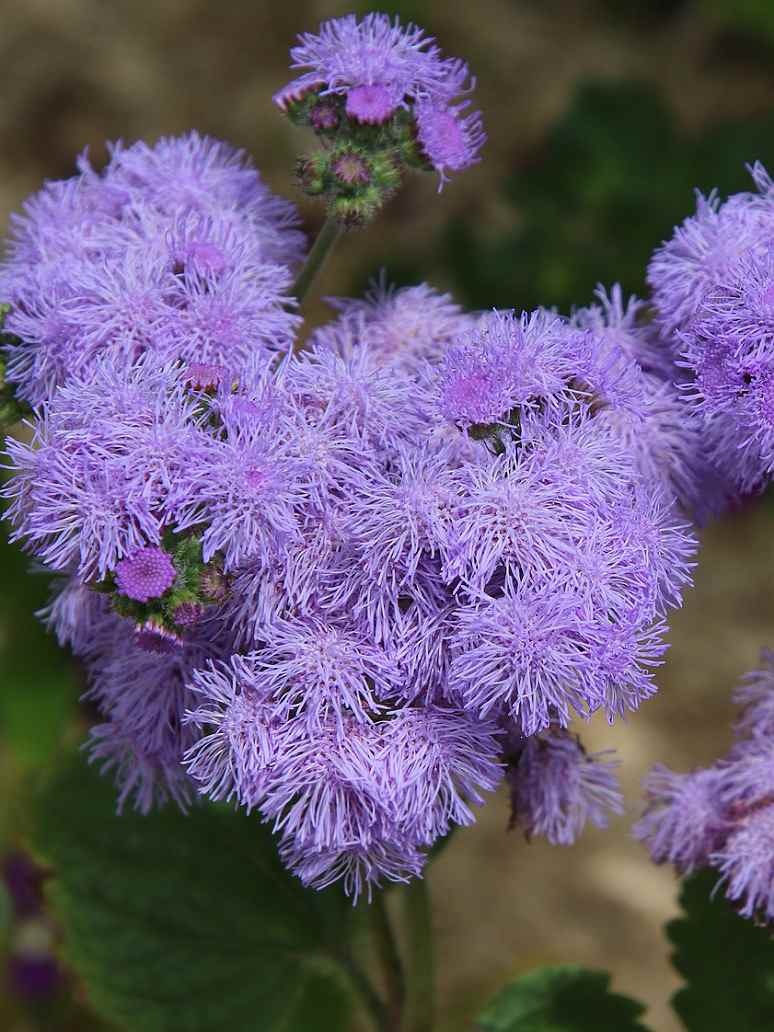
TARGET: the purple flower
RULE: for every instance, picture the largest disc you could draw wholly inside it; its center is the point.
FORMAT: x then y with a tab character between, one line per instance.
449	136
623	323
35	975
714	286
324	798
358	868
401	514
512	517
377	64
526	655
756	695
244	490
507	360
748	775
320	593
556	787
193	173
153	636
355	391
685	819
436	763
107	450
320	672
702	250
746	862
145	574
233	756
143	696
24	880
75	614
178	249
404	328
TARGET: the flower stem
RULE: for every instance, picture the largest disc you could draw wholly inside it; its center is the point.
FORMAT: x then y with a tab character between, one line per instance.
389	958
371	1000
420	974
322	247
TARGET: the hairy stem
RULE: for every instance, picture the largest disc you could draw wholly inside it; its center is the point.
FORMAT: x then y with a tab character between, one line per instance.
322	247
420	974
389	958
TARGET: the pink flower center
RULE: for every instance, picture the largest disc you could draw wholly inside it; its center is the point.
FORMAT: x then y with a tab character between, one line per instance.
372	104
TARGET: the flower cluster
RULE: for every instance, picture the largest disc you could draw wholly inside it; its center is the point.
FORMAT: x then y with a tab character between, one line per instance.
713	284
349	587
346	598
380	98
722	816
178	249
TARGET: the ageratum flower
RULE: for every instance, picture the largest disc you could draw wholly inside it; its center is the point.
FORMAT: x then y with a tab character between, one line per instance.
406	328
449	136
745	862
713	283
91	487
364	591
437	761
177	249
706	246
143	697
556	787
376	64
755	694
376	72
722	817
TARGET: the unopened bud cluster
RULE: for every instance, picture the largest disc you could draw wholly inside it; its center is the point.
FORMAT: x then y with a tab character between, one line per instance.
166	590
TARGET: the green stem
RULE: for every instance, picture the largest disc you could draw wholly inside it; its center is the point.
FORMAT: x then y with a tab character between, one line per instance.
389	958
368	995
322	247
419	932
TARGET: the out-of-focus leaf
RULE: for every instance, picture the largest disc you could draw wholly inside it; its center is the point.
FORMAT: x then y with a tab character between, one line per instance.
38	690
726	961
188	923
561	999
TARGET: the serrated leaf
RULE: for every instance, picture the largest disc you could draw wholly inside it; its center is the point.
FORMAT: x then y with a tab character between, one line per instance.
726	960
188	923
561	999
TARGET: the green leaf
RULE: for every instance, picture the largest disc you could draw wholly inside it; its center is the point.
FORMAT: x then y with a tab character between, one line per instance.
726	960
561	999
189	923
40	693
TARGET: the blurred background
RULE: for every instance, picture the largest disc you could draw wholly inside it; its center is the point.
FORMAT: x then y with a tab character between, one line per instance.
603	115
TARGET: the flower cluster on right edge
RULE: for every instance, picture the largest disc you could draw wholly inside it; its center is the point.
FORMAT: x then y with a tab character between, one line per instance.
722	816
713	290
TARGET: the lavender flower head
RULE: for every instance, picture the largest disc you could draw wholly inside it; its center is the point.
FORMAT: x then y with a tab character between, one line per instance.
347	586
375	63
722	817
375	71
335	589
713	283
556	787
178	249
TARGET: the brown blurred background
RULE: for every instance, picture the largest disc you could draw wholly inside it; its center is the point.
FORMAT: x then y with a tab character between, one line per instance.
602	115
